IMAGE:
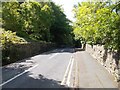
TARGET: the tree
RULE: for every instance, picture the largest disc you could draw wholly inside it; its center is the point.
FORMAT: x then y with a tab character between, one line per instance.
37	21
97	24
60	28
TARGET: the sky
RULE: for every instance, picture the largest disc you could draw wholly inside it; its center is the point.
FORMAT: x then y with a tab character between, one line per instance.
67	5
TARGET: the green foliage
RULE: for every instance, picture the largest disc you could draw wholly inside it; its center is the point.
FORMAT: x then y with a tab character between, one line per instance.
37	21
60	28
9	37
31	21
97	23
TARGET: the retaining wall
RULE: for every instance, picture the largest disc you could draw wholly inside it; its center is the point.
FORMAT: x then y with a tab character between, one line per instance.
110	60
17	52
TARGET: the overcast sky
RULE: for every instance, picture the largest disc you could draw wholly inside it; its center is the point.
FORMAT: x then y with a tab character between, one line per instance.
68	6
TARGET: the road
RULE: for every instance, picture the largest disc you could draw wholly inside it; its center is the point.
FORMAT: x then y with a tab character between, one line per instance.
59	68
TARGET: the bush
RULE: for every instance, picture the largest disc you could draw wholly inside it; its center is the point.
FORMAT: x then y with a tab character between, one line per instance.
7	39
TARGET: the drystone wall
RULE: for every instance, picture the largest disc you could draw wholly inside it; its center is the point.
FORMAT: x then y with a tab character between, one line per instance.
13	53
110	60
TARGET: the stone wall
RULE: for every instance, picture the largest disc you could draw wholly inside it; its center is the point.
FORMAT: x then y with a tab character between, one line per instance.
17	52
110	60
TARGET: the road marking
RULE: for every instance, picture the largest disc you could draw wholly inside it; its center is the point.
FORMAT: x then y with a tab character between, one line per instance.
68	73
53	55
62	50
18	75
76	75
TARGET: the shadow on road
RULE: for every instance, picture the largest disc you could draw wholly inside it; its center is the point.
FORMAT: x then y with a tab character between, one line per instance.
61	50
33	81
64	50
13	69
20	66
78	49
41	81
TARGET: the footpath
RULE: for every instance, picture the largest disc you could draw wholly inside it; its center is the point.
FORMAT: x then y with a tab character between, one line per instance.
91	74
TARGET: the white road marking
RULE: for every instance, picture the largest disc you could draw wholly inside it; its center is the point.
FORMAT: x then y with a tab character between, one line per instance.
69	74
18	75
66	72
53	55
62	50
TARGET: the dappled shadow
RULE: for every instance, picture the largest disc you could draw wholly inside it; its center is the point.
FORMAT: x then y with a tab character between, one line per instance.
41	81
13	69
61	50
116	56
30	80
105	55
20	66
79	49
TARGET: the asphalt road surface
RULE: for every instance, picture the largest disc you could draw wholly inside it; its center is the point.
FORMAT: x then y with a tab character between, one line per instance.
59	68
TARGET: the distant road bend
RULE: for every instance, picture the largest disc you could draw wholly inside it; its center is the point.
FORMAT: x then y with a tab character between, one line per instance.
58	68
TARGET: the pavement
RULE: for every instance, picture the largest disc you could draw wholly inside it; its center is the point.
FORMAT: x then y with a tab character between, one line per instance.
92	74
59	68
